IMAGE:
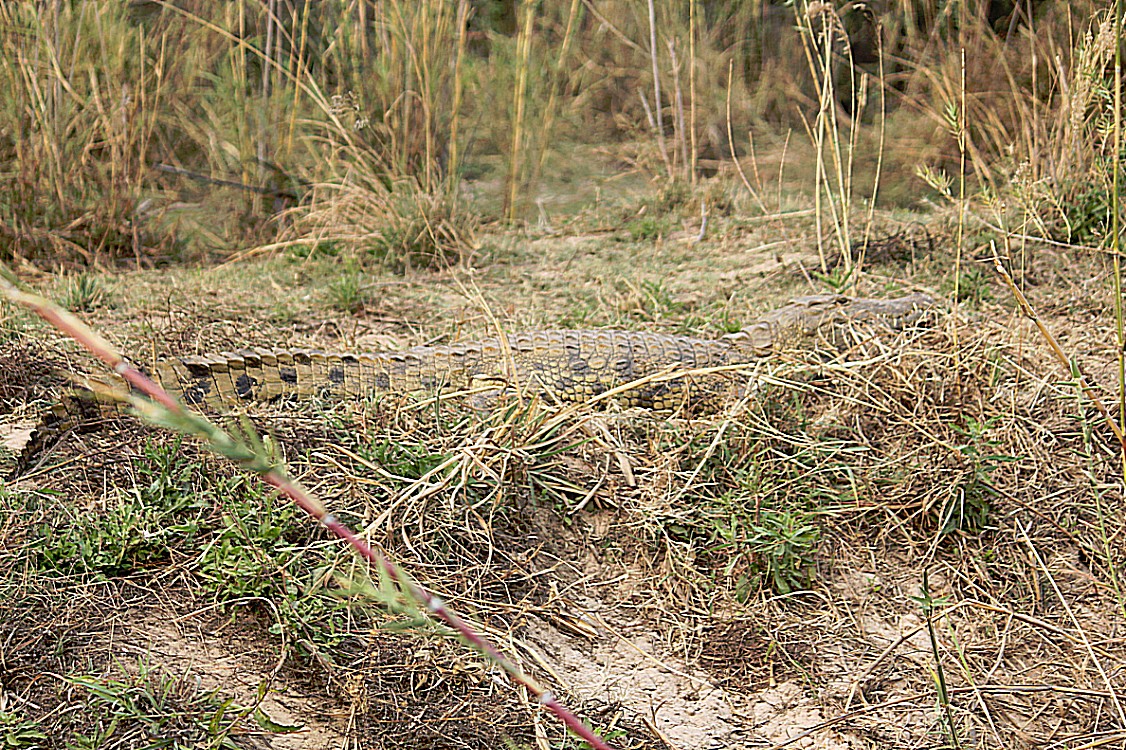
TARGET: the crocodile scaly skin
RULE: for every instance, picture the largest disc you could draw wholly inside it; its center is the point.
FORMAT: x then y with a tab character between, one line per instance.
560	366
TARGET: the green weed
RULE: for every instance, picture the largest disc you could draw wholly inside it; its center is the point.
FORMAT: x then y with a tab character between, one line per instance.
753	549
973	286
652	300
783	543
721	321
658	300
1085	217
304	250
157	710
84	293
18	732
406	460
607	733
836	278
648	228
752	525
248	552
138	529
970	507
348	291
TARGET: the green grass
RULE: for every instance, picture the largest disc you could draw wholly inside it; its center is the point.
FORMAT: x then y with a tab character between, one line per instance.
153	709
348	292
235	538
17	731
84	293
648	228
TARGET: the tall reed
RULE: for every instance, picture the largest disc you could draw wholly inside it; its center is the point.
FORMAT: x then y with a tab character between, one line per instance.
824	41
519	105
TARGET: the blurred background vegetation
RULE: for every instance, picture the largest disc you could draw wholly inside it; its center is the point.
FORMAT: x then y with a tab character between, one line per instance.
152	131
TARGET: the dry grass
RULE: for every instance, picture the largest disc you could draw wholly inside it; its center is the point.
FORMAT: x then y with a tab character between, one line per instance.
955	449
266	101
803	563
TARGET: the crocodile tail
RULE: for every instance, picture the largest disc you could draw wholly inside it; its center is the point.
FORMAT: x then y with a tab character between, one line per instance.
82	405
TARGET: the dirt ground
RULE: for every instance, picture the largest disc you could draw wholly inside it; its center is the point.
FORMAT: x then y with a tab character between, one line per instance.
960	583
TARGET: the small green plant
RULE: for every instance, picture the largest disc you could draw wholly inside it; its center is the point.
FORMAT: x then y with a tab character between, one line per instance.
648	228
837	278
348	292
406	460
783	542
973	286
659	298
326	249
650	300
607	733
84	293
17	732
970	507
157	710
1084	217
725	323
657	301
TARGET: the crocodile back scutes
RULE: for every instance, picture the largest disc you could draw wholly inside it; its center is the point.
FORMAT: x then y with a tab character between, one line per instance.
568	366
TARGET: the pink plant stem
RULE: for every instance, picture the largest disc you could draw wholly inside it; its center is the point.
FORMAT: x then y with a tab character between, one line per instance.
435	606
69	324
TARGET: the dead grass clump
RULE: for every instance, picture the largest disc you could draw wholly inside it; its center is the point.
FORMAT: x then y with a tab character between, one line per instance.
101	112
945	426
78	130
408	691
902	247
396	224
46	631
1039	113
758	650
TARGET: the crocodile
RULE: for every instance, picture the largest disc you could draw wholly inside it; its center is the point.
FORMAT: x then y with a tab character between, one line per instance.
557	365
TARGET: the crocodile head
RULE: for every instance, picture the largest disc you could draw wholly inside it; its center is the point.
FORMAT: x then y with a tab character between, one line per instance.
826	316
